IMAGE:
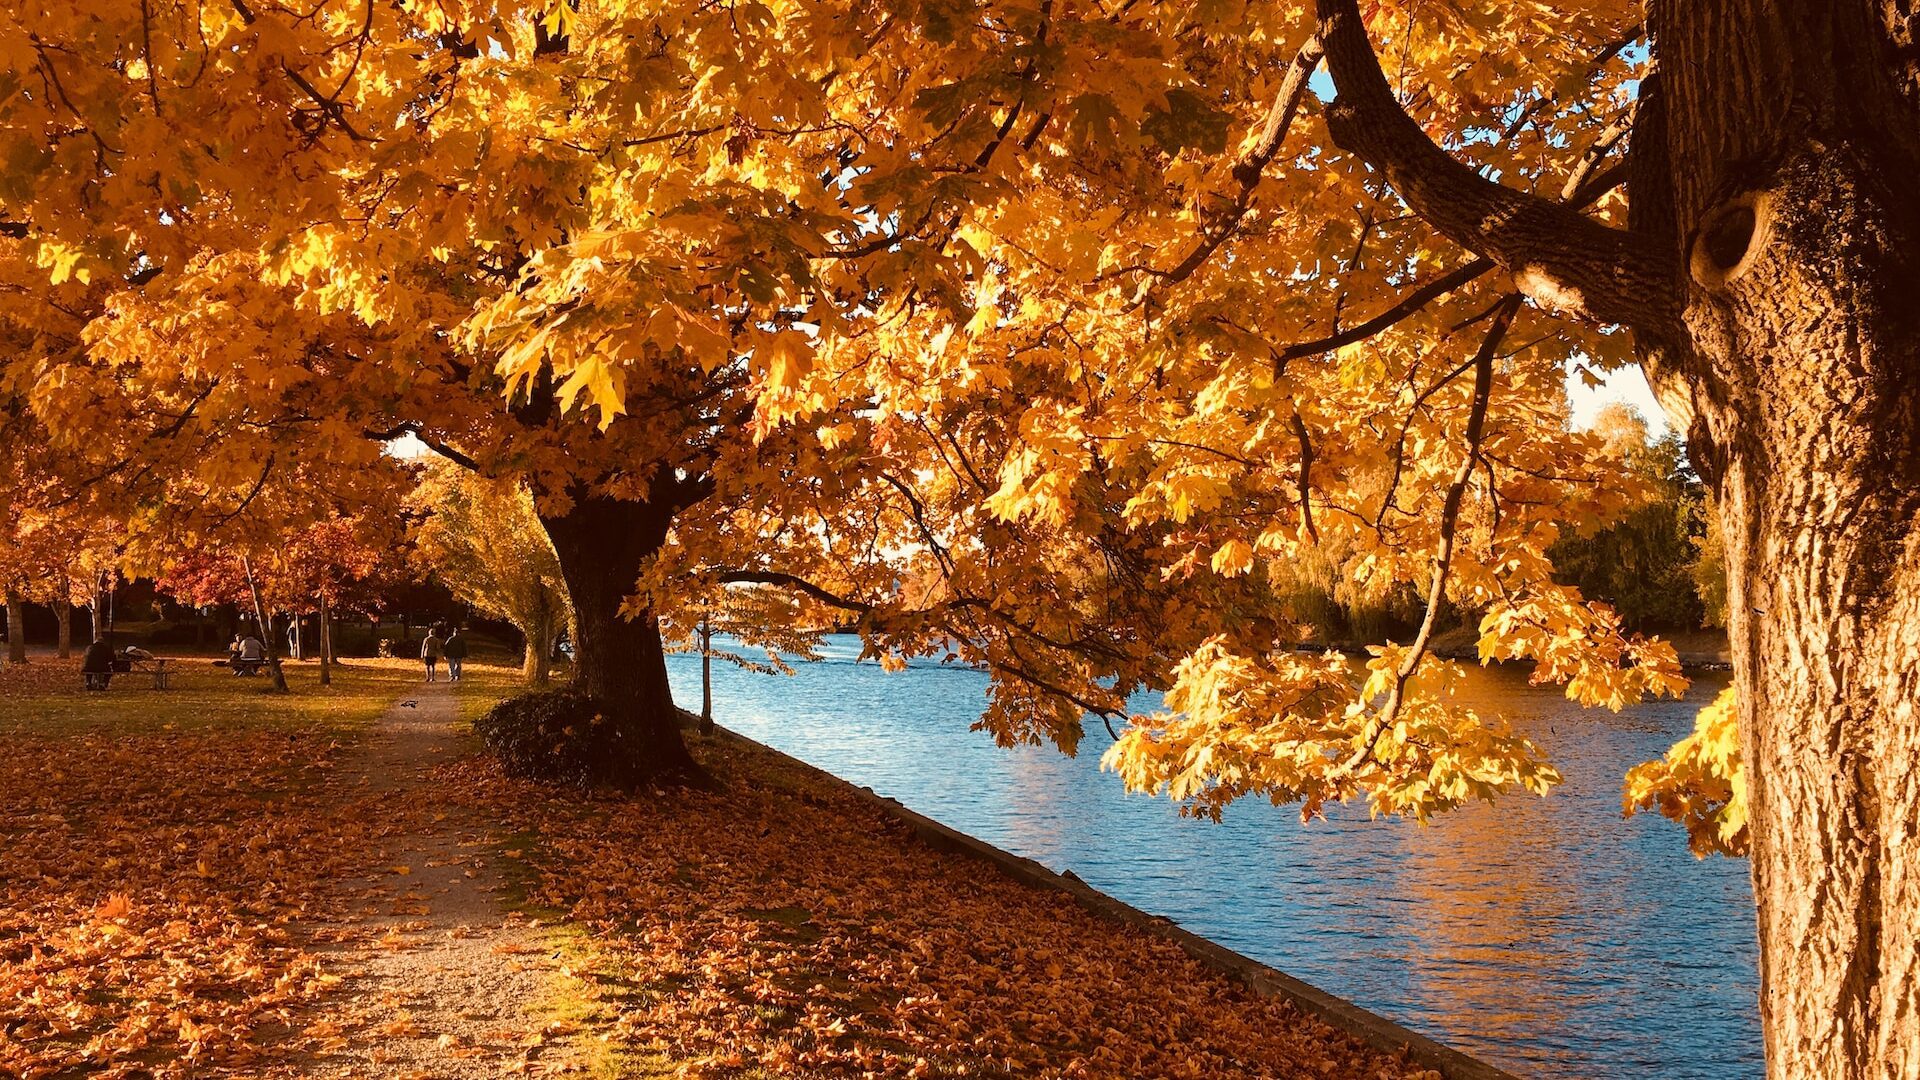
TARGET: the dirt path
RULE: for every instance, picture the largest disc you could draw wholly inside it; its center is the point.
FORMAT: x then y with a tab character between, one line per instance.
444	977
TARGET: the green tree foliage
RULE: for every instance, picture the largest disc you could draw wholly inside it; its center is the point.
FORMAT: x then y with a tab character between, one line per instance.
1645	564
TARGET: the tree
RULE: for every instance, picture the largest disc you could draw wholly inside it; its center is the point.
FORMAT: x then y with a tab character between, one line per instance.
51	553
260	324
1760	269
1645	565
327	566
483	540
1043	331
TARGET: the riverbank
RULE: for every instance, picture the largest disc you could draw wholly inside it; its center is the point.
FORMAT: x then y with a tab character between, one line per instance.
1699	650
219	882
1547	936
786	925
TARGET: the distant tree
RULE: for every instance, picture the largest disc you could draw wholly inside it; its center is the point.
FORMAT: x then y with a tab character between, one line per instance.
1710	568
1644	563
484	541
323	567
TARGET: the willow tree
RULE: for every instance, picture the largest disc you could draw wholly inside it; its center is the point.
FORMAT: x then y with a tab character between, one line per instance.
484	541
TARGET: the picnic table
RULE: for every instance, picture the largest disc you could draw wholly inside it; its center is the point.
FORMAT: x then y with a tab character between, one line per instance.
159	667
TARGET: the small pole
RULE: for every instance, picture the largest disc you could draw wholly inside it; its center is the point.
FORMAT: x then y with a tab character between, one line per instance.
706	677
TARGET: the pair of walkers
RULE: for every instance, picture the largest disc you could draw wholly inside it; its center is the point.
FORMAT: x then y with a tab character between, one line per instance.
453	648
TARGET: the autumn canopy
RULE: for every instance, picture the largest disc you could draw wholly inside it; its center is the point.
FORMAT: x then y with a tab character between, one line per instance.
1072	337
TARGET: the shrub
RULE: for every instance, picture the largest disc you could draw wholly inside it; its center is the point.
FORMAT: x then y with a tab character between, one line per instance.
559	735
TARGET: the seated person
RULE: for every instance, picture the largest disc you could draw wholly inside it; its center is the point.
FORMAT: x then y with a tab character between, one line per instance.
253	653
96	665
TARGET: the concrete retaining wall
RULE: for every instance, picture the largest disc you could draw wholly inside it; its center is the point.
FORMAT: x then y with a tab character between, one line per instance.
1344	1015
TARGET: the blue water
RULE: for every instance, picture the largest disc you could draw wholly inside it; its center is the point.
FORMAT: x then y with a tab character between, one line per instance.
1548	936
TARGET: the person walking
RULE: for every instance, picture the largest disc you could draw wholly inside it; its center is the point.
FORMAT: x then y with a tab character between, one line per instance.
431	651
456	652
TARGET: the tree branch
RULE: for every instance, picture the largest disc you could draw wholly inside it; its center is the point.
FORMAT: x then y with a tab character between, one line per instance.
1558	256
1443	552
415	429
1248	170
791	581
1306	475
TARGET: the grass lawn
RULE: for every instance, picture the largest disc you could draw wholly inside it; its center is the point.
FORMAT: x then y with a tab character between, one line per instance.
45	698
482	685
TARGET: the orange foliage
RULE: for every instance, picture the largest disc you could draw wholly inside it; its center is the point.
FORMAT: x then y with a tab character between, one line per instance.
150	886
782	924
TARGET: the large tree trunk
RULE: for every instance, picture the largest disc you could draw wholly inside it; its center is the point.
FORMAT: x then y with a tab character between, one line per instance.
602	544
63	616
1776	158
1770	272
542	627
16	628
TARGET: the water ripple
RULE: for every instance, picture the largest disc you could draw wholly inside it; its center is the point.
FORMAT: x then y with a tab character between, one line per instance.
1547	935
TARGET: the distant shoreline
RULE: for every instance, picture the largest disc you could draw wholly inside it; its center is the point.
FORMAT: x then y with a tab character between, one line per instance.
1699	650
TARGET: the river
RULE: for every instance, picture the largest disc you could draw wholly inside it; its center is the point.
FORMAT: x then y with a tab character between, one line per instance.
1548	936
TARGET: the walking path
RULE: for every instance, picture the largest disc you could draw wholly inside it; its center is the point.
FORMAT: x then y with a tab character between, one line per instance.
446	978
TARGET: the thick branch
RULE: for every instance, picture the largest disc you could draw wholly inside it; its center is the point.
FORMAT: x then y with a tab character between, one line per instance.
790	581
1558	256
414	428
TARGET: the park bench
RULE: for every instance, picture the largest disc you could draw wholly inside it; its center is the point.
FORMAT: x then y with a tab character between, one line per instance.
159	669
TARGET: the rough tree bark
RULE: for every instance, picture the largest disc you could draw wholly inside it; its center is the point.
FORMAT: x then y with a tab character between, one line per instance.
1791	138
1770	274
63	616
602	544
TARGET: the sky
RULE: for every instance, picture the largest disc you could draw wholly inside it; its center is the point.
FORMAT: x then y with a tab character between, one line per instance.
1627	386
